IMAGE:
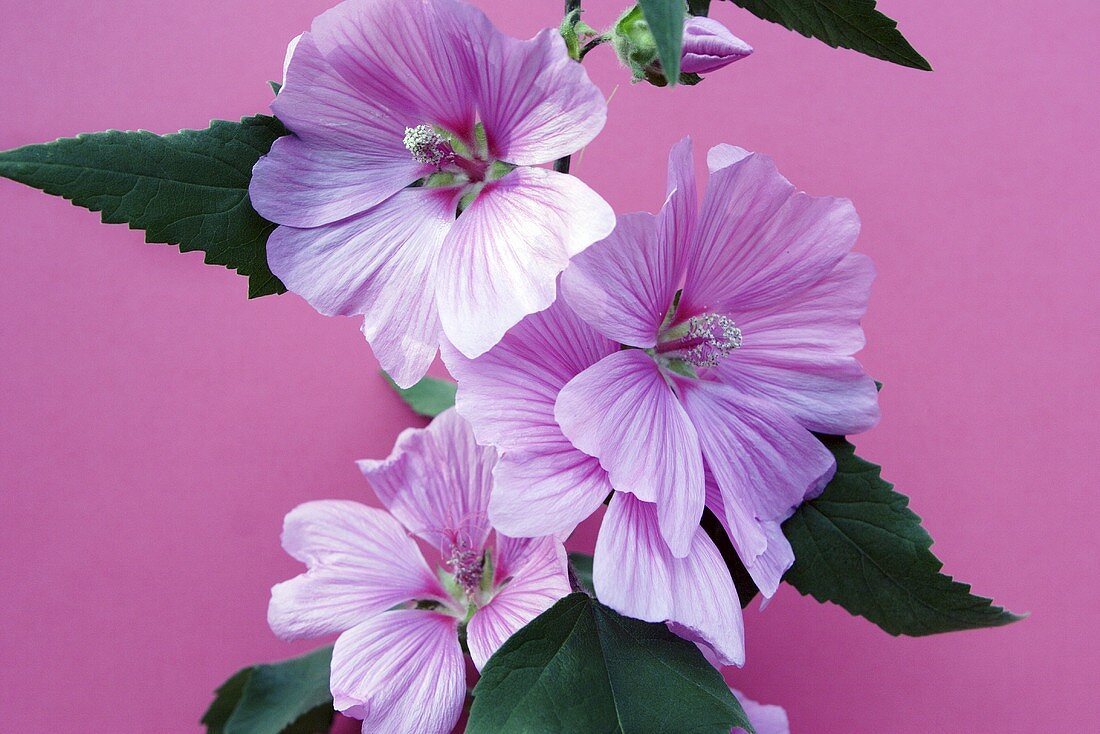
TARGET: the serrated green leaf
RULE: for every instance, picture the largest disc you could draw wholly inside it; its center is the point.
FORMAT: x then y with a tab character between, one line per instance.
429	397
290	697
854	24
581	667
666	21
860	546
189	188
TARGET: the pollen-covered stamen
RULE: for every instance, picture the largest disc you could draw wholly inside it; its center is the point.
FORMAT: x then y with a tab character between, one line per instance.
465	564
702	341
428	146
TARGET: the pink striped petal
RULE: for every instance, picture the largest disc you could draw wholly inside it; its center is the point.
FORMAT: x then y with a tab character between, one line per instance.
401	672
636	574
360	563
346	155
765	718
537	103
624	285
764	550
799	355
623	411
758	241
364	265
531	575
543	484
764	462
503	256
437	482
417	58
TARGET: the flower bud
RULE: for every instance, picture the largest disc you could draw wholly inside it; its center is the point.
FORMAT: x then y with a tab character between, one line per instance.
708	46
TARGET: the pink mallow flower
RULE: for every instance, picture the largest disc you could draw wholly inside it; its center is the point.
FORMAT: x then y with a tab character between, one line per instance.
709	45
686	365
398	664
383	94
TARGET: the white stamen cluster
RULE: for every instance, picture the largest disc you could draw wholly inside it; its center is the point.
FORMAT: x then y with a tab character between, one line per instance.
426	145
712	337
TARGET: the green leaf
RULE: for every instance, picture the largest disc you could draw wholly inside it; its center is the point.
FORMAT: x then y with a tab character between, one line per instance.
581	667
429	397
291	697
582	569
189	188
666	22
854	24
858	545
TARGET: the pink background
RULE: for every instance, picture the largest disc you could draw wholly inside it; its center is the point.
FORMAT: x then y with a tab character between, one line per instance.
156	425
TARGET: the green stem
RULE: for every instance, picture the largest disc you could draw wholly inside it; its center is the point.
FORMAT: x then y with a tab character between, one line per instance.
561	165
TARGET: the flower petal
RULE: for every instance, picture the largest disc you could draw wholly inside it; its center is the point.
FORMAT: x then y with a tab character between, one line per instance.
676	220
765	718
624	285
764	550
543	484
401	672
417	58
798	355
708	46
365	265
360	563
533	574
437	482
758	241
346	155
636	574
764	462
501	261
536	102
623	411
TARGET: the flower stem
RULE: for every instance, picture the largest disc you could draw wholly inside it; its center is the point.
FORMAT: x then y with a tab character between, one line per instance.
561	165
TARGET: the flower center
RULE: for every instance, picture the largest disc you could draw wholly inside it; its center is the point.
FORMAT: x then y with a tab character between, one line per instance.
466	564
457	161
428	146
701	341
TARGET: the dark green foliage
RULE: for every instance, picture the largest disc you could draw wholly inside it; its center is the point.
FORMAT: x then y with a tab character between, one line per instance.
860	546
581	667
854	24
189	188
290	697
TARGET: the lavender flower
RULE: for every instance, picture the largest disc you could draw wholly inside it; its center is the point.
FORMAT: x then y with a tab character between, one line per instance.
384	94
397	663
697	353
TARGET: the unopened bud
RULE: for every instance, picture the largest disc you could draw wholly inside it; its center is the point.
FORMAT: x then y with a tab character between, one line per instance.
708	46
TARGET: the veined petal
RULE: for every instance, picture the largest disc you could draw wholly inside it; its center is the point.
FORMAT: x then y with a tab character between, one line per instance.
798	355
437	482
502	258
530	575
636	574
419	59
764	462
623	285
360	563
345	156
382	264
765	718
676	220
536	102
623	411
758	241
544	485
401	672
761	545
